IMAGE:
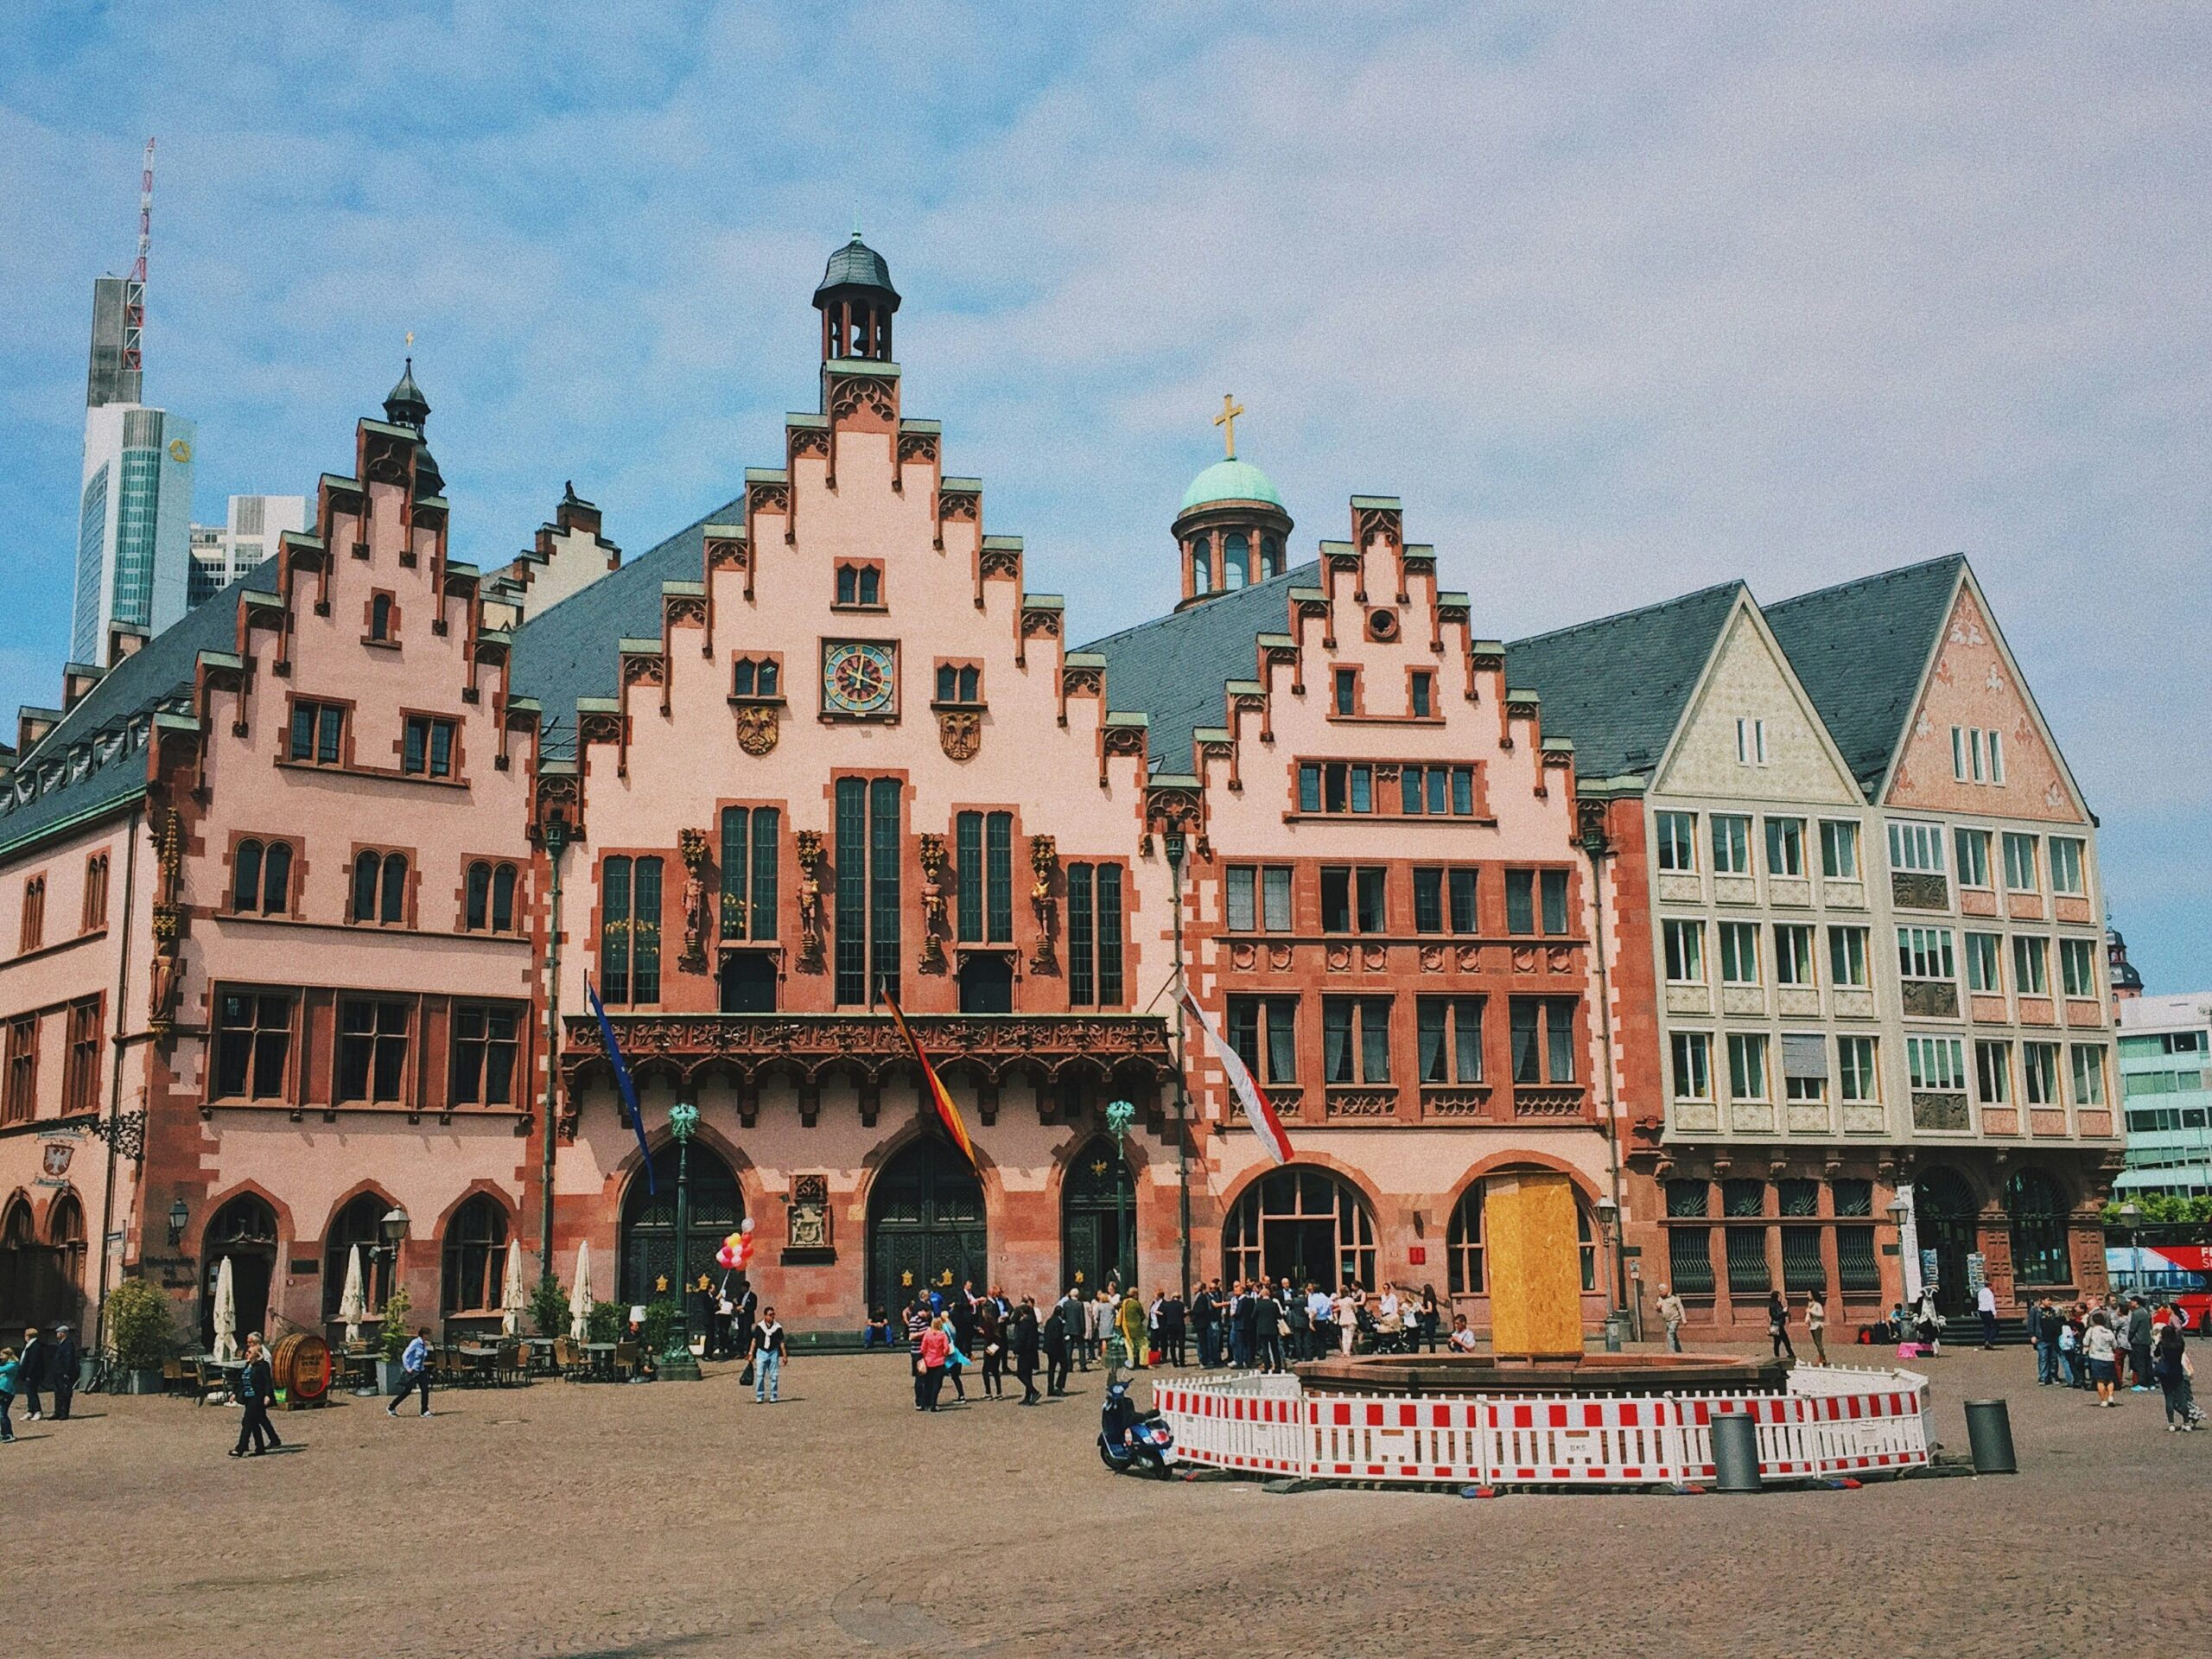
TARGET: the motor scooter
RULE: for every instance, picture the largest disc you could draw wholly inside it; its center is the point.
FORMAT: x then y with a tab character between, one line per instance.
1131	1442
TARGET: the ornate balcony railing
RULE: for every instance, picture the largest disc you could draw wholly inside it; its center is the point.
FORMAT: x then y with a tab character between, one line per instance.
971	1051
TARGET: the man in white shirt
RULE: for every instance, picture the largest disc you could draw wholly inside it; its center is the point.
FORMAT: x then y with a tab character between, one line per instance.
1985	1303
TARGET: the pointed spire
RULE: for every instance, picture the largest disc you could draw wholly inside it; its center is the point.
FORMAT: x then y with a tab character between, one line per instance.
405	405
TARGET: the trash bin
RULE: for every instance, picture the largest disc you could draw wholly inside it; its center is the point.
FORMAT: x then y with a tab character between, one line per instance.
1735	1452
1616	1331
1989	1434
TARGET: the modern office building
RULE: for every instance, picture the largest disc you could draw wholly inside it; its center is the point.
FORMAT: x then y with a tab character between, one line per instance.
2165	1087
134	526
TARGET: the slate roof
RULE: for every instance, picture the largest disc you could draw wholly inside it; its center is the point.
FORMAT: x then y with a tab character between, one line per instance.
568	651
1616	687
1176	669
856	265
1861	649
94	760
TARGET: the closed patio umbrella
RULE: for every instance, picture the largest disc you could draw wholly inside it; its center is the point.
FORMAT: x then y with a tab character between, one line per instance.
510	1293
352	1306
227	1313
580	1296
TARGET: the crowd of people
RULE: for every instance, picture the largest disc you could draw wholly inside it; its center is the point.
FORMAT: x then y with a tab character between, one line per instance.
2115	1344
1261	1324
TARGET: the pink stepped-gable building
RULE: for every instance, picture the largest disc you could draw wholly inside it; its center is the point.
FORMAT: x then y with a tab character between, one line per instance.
302	895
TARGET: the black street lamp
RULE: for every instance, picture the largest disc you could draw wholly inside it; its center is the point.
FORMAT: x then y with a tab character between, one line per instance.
1119	1115
677	1360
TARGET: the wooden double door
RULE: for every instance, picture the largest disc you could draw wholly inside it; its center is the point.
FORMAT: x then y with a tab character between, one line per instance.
925	1227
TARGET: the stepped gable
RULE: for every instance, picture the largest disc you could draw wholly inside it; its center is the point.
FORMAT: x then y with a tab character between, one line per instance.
1618	686
1861	649
568	651
158	676
1175	670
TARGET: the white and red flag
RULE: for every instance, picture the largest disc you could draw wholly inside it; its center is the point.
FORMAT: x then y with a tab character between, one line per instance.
1257	1112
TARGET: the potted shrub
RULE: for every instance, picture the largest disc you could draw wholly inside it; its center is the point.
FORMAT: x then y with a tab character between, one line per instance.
142	1333
548	1307
392	1343
606	1322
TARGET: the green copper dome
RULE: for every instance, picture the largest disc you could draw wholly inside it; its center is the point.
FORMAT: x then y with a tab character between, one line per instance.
1229	481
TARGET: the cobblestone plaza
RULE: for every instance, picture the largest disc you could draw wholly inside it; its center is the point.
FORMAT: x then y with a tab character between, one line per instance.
690	1521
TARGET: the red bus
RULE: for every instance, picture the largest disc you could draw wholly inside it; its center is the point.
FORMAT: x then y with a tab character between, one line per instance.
2180	1273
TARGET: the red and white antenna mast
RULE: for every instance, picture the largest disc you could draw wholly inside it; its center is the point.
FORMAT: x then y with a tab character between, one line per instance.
134	293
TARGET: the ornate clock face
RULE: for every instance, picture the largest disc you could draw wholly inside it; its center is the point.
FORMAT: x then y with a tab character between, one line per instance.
860	677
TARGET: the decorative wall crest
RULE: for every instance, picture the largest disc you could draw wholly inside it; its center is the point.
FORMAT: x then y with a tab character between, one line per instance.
851	393
959	732
757	727
810	440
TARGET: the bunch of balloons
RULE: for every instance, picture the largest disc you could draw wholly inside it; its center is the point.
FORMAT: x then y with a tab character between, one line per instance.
737	1250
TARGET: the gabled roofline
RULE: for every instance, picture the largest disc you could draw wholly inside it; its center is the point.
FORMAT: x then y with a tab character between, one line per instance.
1967	579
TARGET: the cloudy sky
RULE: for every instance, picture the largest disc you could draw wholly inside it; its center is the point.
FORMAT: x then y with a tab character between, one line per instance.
1621	301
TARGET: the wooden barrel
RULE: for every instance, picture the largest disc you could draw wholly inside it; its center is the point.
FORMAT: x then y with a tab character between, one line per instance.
302	1369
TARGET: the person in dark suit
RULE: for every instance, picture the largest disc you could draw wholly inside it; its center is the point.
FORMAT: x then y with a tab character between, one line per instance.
1024	1350
62	1360
1056	1342
256	1384
31	1368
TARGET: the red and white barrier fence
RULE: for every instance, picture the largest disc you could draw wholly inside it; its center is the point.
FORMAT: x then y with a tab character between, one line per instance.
1833	1421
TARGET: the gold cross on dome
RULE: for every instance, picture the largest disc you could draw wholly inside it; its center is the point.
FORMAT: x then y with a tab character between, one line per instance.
410	340
1231	409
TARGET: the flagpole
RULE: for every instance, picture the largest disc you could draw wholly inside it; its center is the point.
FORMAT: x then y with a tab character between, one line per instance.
1172	840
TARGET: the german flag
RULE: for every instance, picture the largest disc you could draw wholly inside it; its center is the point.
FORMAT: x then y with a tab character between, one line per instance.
947	1113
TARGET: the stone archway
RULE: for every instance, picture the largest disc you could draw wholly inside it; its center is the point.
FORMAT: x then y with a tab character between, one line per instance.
1298	1224
1944	1215
926	1226
1098	1191
647	1245
245	1232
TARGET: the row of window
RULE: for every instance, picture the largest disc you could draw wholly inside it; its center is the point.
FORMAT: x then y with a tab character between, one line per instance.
1357	1039
1730	840
261	885
1918	849
1420	695
87	1029
427	748
1934	1064
473	1256
377	1040
2159	1120
1742	957
866	926
1748	1245
1356	899
957	683
1926	953
1387	789
30	932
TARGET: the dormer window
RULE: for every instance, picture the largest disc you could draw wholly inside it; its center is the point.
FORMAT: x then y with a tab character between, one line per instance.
959	682
860	586
756	677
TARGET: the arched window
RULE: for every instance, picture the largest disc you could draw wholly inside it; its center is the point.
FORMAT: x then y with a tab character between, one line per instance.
479	908
364	887
1300	1224
1464	1243
64	1231
1270	555
277	879
245	886
2037	1212
359	1225
380	617
394	908
1235	560
1201	566
475	1256
503	900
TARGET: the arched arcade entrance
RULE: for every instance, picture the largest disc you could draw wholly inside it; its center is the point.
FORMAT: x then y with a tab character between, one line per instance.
244	1231
1300	1223
1943	1211
647	1241
925	1225
1098	1192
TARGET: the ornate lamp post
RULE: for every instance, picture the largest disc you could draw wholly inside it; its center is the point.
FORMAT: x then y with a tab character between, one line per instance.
2131	1216
677	1362
1172	842
1119	1115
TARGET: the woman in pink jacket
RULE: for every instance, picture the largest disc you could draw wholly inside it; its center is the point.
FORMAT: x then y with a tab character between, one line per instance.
929	1364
